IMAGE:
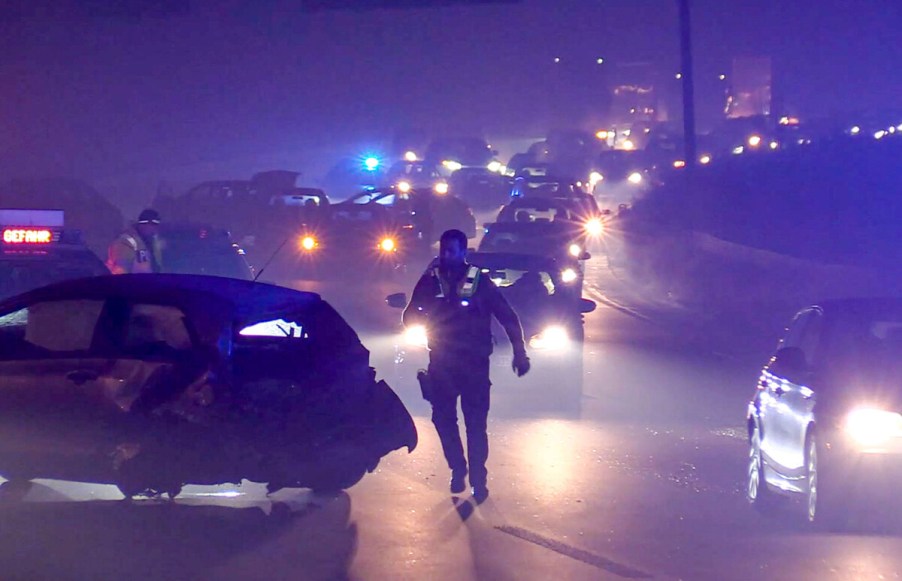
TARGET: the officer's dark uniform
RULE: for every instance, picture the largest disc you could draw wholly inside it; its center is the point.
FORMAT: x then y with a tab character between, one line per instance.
458	315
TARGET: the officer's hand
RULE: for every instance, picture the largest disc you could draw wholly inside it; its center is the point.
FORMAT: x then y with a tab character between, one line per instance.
520	364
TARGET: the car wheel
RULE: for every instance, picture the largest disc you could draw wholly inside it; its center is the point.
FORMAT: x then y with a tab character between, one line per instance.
173	491
130	489
811	480
757	492
823	508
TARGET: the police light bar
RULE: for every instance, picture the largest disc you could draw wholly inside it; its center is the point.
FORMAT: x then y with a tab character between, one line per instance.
27	236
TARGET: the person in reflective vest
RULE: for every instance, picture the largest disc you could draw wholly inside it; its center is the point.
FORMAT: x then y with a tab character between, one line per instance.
138	249
456	305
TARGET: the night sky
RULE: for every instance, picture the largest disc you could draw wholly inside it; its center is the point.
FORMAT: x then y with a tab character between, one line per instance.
104	96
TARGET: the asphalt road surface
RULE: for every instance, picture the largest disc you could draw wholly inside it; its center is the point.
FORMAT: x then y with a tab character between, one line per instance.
632	468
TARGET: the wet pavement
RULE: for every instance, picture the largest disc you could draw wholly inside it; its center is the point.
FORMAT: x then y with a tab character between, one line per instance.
632	469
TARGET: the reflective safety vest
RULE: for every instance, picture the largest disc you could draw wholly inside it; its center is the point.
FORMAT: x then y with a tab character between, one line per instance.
466	288
129	254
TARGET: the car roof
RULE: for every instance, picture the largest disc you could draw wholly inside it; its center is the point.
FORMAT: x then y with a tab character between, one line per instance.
193	228
864	306
512	260
538	202
246	300
527	227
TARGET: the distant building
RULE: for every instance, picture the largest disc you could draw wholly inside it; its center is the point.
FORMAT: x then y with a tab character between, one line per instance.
751	88
635	98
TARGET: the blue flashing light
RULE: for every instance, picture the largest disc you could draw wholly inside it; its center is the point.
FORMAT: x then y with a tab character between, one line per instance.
371	163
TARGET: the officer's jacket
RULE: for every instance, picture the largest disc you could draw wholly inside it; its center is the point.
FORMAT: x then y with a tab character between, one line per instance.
458	317
129	254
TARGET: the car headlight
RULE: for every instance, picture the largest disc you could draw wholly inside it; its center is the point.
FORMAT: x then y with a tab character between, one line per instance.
553	338
575	250
404	187
416	336
441	188
595	178
635	178
569	275
308	243
872	426
452	165
594	227
495	167
387	245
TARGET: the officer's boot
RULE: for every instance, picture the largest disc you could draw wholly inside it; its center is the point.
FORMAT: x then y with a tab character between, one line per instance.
458	480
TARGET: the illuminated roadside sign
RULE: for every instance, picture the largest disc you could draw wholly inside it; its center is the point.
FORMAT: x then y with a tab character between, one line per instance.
27	236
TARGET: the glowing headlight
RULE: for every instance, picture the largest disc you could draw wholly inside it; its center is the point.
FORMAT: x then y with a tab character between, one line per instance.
629	145
679	164
595	178
551	338
568	275
308	243
594	227
452	165
404	187
754	141
873	427
410	156
387	245
495	167
441	188
635	178
575	250
705	159
416	336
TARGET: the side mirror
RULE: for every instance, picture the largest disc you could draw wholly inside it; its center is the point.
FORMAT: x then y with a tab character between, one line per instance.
586	306
396	300
585	256
790	361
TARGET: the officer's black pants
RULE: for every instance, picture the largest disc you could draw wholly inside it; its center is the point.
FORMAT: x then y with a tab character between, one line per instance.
469	380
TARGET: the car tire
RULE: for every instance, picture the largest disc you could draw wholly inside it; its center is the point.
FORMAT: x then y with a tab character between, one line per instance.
757	492
823	507
131	489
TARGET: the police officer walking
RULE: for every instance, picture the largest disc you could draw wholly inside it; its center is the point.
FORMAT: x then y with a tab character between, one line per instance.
456	305
138	249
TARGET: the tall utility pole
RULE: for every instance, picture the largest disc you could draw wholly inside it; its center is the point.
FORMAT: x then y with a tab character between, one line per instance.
688	85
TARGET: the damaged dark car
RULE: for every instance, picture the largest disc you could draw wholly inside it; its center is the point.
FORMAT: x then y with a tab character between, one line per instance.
151	382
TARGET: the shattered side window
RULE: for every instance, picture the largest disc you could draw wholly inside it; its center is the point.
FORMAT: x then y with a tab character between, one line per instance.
156	324
55	326
276	328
